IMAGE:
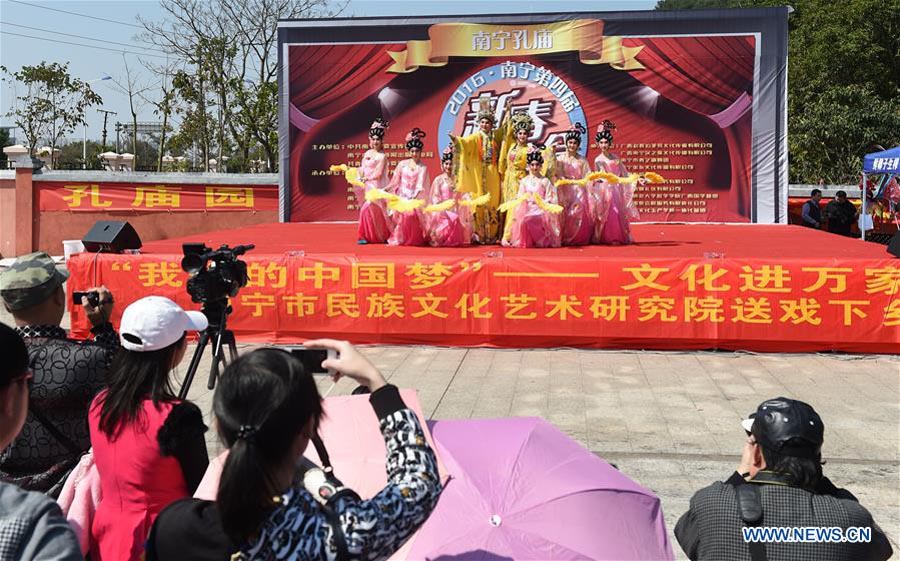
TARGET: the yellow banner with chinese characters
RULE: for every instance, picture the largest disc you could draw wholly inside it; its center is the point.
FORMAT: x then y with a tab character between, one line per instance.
479	40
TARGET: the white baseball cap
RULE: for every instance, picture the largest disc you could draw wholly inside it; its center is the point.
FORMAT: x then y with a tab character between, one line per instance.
155	322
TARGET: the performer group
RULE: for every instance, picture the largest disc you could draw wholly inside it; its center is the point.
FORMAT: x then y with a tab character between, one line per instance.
496	187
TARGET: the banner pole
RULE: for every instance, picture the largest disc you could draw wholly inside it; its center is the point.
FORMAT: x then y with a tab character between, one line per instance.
862	215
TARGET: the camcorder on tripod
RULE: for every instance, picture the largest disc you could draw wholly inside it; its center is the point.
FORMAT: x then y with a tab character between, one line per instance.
215	276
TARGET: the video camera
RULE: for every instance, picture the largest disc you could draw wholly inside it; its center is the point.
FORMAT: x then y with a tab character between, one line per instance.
217	274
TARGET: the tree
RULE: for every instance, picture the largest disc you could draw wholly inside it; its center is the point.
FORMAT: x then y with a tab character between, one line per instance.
843	81
4	142
54	103
835	129
228	82
71	153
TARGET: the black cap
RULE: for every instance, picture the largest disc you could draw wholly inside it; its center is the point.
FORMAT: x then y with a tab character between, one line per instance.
788	427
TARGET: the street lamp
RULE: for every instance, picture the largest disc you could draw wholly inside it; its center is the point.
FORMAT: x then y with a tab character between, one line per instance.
84	124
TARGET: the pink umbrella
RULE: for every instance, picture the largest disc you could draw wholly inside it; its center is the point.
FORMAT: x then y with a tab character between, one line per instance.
521	489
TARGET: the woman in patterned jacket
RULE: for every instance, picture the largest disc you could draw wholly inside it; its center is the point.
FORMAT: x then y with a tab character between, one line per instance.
267	409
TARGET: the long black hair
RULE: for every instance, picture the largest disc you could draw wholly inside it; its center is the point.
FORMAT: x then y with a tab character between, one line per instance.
15	355
263	401
133	377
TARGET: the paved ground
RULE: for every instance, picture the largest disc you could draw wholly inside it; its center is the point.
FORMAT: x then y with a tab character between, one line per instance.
668	420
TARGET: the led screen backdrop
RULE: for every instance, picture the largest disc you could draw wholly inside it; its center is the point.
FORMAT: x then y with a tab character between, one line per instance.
696	96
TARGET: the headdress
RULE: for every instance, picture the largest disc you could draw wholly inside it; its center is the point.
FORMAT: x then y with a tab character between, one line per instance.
414	139
485	108
522	121
575	132
376	130
447	154
604	131
535	153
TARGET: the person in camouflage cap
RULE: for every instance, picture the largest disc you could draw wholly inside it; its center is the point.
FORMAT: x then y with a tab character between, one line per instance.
31	279
67	373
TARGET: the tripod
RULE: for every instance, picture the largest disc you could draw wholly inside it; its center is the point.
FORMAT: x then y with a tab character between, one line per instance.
217	314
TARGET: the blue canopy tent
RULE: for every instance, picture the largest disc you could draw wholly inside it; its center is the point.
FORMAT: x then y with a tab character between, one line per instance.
886	162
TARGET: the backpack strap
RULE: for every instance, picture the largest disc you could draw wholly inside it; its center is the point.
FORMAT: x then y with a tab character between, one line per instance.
340	540
750	509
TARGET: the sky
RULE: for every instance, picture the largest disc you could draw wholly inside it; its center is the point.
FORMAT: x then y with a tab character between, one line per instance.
32	31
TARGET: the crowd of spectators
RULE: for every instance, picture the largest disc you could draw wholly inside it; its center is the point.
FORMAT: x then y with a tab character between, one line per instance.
112	400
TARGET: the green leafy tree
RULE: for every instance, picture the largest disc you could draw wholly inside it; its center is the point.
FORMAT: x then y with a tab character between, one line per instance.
53	105
4	142
228	52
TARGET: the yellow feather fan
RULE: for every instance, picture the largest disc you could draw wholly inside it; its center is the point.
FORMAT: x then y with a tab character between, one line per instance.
350	174
547	207
478	201
404	205
442	206
653	177
373	195
510	205
579	182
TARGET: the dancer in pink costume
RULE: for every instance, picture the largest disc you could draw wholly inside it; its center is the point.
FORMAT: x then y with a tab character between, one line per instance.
535	214
374	224
408	185
448	223
614	208
577	218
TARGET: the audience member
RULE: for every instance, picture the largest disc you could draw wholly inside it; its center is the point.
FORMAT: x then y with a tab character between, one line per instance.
267	408
841	214
148	446
779	483
67	373
812	214
31	525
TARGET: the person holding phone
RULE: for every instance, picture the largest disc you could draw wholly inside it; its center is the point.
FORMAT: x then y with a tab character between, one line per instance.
267	408
67	373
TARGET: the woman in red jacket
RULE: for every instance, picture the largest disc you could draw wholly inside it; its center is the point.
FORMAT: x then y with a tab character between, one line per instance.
148	446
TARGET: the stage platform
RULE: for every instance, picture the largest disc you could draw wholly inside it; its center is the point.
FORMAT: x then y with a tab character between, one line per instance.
680	286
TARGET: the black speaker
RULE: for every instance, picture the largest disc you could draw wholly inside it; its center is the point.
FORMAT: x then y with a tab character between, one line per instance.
110	236
894	247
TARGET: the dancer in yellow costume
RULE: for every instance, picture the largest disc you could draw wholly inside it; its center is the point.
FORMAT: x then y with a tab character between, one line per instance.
477	172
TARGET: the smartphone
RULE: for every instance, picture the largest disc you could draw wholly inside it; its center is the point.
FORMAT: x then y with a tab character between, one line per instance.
312	359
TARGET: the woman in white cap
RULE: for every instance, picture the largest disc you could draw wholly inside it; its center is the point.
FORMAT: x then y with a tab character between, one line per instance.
149	447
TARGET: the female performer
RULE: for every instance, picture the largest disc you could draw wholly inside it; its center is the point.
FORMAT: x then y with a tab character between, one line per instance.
449	214
408	186
374	225
535	220
572	170
613	202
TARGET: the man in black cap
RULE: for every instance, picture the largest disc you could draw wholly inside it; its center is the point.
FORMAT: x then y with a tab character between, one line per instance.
67	373
779	484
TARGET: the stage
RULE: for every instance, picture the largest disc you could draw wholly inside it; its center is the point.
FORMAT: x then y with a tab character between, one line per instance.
680	286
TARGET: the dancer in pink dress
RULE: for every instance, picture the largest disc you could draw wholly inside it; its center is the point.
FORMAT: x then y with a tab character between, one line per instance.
577	219
448	223
535	214
408	185
614	208
374	224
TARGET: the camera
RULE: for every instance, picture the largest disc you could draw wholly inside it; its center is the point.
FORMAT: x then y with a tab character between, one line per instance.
93	298
217	274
